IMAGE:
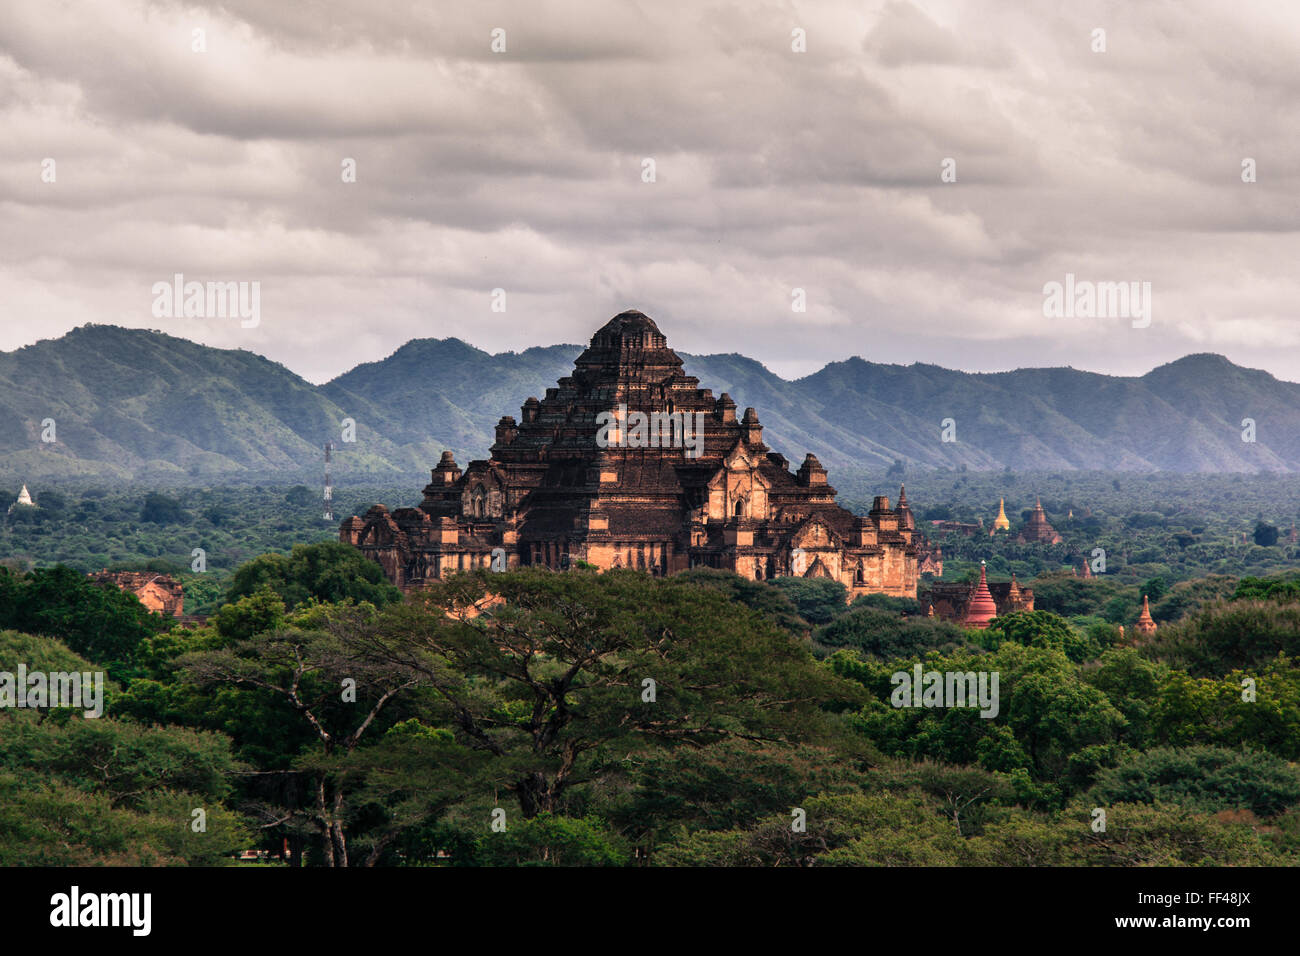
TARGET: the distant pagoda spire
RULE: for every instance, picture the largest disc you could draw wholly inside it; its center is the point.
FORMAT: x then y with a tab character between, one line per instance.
1014	595
1001	522
24	499
904	511
981	609
1146	625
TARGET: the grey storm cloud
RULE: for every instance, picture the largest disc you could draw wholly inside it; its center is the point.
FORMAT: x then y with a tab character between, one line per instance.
775	170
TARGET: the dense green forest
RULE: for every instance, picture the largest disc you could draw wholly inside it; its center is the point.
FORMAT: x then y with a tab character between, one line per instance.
542	718
125	527
1170	526
318	710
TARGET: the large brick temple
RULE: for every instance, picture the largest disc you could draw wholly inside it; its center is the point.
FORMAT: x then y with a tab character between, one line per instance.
558	488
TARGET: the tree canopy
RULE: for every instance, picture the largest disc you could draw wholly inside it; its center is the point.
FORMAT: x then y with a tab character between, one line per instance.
329	571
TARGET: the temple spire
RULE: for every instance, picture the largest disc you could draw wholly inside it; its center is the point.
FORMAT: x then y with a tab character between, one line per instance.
905	512
1146	625
982	608
24	499
1001	522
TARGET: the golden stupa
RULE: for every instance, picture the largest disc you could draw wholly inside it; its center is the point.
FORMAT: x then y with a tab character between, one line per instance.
1000	523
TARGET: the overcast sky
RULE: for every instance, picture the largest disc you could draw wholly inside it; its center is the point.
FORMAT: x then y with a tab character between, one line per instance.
774	170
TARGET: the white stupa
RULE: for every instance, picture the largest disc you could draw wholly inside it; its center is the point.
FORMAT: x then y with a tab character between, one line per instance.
24	498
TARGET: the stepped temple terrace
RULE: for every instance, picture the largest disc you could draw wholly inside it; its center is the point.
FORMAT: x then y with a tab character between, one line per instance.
629	463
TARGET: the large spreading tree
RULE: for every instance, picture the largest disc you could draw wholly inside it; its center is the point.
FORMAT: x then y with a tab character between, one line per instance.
563	678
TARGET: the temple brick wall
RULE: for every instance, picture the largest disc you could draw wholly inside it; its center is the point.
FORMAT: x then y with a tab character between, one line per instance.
158	592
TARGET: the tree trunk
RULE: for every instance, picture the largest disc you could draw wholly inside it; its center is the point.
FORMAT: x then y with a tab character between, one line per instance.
340	842
324	823
537	795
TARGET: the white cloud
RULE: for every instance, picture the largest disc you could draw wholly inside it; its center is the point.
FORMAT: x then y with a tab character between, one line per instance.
775	169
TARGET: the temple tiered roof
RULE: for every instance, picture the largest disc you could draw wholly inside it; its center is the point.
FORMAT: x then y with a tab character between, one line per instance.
1037	529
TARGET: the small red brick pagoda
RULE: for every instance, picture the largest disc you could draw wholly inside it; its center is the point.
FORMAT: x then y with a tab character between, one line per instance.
982	608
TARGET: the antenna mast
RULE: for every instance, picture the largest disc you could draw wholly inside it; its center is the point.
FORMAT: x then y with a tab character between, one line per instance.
329	488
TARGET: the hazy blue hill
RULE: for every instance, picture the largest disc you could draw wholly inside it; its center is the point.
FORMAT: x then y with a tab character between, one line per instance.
443	393
1119	412
793	423
142	404
1217	395
132	402
904	407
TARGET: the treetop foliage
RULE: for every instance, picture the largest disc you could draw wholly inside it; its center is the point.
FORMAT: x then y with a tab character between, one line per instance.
618	719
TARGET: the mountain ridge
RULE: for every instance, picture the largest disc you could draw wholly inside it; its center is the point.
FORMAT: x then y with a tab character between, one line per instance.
143	404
